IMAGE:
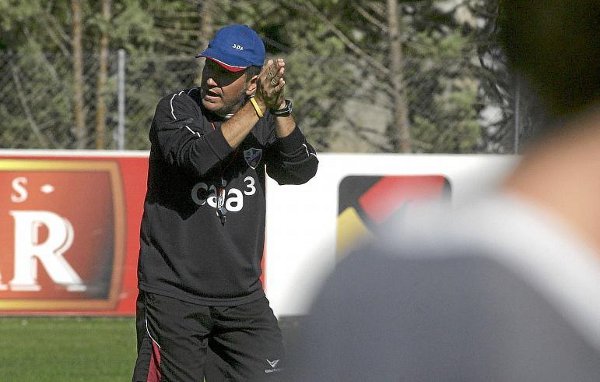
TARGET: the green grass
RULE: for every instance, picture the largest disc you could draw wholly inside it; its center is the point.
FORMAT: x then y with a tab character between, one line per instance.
66	349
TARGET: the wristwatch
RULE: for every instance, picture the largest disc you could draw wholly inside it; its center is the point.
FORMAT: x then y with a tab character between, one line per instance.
285	111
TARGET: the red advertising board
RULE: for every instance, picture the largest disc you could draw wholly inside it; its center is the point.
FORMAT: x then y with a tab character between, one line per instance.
70	232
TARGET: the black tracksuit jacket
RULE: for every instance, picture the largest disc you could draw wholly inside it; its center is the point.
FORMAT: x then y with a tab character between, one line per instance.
186	250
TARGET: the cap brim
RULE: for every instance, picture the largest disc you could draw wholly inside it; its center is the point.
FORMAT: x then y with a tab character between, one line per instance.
229	67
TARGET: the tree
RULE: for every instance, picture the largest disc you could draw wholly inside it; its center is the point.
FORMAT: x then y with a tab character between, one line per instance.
365	75
102	80
39	47
385	53
59	46
400	112
78	81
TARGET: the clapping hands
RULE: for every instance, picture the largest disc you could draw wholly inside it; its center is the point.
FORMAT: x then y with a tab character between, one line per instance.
271	83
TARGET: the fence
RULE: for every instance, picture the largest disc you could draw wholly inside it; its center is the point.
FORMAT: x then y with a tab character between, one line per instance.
449	109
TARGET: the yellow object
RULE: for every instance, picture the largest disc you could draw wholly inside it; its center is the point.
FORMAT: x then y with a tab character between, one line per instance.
350	230
256	107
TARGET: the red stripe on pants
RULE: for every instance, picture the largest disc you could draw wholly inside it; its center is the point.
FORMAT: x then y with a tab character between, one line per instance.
154	367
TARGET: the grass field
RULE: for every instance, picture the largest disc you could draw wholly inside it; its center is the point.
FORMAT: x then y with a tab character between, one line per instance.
77	349
66	349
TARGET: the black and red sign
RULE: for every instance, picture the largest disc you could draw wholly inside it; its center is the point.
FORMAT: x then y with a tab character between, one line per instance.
366	202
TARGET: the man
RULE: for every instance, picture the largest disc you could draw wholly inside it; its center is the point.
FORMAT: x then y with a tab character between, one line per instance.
507	288
202	312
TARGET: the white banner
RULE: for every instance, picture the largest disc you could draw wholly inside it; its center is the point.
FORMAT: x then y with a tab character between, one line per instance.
302	220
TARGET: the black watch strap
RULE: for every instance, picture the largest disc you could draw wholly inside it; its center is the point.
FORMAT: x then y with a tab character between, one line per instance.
285	111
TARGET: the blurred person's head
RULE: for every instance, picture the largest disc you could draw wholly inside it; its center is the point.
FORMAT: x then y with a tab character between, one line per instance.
555	44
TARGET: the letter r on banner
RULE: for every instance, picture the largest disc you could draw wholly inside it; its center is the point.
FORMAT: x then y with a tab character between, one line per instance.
49	253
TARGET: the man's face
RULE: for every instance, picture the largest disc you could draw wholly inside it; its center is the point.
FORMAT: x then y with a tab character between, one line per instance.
223	92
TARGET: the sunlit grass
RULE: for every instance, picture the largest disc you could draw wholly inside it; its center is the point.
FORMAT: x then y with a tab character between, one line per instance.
66	349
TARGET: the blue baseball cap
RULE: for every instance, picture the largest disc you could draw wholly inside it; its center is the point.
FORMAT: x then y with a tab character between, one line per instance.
235	47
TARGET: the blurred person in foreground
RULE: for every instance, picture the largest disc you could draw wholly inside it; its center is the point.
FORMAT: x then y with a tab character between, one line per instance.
202	312
507	288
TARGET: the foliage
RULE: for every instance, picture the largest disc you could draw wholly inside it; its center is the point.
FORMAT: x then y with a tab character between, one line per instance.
342	50
338	56
39	34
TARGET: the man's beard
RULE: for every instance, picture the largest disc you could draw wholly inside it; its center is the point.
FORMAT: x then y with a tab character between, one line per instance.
228	111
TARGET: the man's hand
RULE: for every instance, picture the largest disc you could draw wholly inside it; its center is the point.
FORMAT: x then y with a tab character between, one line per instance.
269	90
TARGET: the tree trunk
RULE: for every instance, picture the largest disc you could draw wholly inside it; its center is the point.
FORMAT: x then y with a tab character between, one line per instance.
78	82
400	110
206	9
102	77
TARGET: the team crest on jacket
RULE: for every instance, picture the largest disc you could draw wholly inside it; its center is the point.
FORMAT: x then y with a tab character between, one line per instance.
252	157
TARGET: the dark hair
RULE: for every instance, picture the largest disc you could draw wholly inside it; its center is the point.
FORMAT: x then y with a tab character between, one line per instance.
556	46
252	71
